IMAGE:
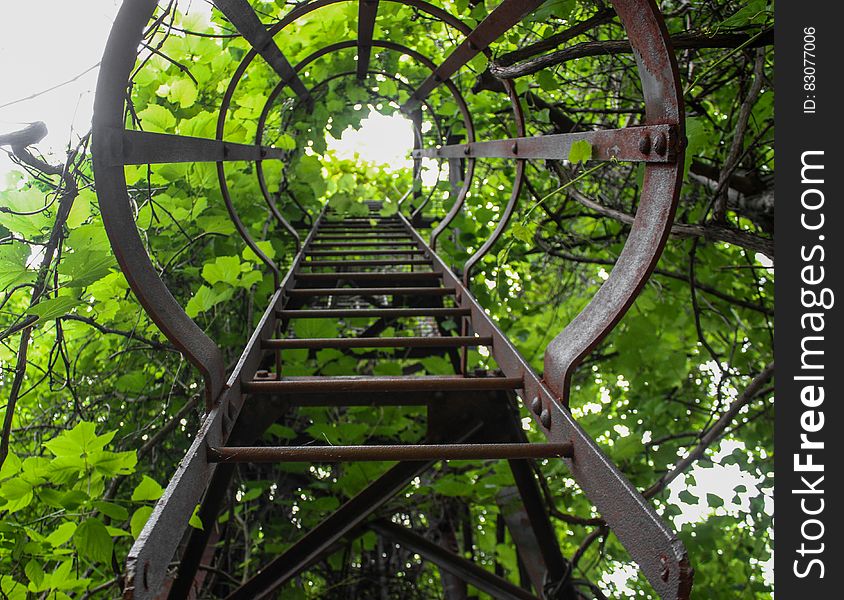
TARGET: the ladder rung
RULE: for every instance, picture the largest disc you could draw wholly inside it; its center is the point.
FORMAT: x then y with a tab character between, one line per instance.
410	383
362	228
321	237
321	313
363	252
365	263
369	276
377	342
392	452
330	244
372	291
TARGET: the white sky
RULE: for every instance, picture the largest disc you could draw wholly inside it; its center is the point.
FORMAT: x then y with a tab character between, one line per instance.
44	43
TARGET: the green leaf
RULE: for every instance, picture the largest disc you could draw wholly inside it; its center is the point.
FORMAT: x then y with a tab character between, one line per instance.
183	91
315	328
61	534
546	80
53	308
714	501
204	300
85	266
35	573
147	489
36	220
13	259
18	494
112	510
139	519
194	520
285	142
522	232
580	152
11	466
157	119
224	269
81	440
687	497
92	541
753	12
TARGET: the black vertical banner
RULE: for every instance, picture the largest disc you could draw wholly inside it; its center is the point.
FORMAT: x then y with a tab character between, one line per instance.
809	440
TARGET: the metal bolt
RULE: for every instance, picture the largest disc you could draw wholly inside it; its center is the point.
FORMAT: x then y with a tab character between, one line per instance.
645	144
263	152
545	418
536	405
467	150
515	148
665	570
660	144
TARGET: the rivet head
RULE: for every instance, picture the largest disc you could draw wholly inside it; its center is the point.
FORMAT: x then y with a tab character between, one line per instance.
660	144
645	144
467	150
545	418
515	148
665	570
536	405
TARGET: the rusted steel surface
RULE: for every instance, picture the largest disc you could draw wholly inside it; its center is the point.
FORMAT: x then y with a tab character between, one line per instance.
367	11
377	342
117	211
647	143
372	291
457	425
518	180
391	276
132	147
323	264
495	586
507	14
394	383
322	313
406	452
650	542
243	17
332	244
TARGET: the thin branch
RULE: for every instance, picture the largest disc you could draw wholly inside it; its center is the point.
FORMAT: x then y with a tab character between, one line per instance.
710	232
608	47
752	391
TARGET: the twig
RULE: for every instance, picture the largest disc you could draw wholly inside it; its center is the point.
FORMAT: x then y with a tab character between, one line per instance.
50	89
719	210
66	198
714	432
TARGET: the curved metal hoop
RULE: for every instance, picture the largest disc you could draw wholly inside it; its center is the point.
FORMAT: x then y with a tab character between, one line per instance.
116	209
660	191
518	179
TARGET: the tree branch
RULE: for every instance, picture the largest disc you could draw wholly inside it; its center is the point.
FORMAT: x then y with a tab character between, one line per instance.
714	432
709	232
681	41
67	191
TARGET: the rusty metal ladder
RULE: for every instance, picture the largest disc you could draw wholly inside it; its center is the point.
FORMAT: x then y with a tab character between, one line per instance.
470	415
